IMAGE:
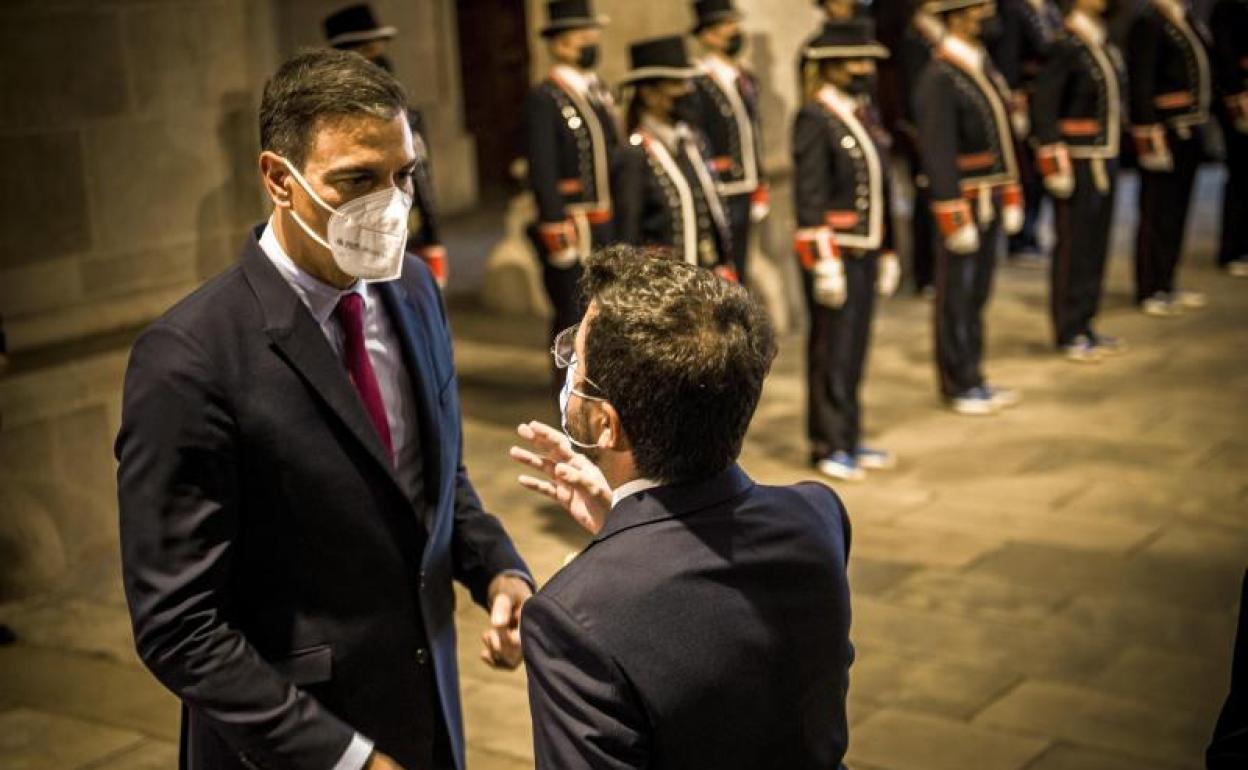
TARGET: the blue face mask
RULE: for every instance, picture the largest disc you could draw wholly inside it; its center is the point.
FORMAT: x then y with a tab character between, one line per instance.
565	395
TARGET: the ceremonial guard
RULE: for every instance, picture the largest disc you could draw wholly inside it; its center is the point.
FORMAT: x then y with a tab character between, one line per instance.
355	28
1229	21
665	189
1077	117
572	137
915	50
842	190
1027	31
968	154
727	97
1170	92
834	12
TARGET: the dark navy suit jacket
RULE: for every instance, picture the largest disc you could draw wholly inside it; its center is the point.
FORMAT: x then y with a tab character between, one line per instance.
706	626
280	581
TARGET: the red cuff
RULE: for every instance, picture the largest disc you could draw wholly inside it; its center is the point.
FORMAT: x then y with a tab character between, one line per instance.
952	216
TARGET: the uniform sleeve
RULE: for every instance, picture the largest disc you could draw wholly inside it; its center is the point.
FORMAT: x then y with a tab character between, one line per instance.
541	132
1143	42
1007	49
812	165
936	108
178	496
628	192
1046	101
1229	23
585	712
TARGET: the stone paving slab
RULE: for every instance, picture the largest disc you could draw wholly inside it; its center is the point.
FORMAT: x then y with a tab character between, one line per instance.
901	740
35	740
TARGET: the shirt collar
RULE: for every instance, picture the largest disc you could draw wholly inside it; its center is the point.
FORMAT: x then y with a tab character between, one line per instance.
971	56
1176	8
630	488
573	78
724	70
1087	27
838	99
669	134
320	298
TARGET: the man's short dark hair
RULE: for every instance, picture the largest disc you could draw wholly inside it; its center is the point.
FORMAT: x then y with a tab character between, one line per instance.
681	354
319	84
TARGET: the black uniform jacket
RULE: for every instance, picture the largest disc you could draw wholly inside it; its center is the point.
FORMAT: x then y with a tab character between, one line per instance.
728	118
1170	79
706	626
1079	95
1229	21
1028	30
280	580
571	141
667	197
841	172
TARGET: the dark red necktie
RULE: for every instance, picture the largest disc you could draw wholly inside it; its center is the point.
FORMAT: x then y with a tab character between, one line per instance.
350	313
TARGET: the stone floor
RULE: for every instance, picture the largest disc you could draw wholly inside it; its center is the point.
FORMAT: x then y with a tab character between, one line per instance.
1051	589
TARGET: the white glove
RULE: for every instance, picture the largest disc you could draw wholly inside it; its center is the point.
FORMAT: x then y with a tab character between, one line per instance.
1060	185
1021	123
964	240
1012	219
830	286
760	204
1157	161
889	277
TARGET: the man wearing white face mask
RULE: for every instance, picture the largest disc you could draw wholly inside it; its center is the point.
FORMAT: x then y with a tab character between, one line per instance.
294	506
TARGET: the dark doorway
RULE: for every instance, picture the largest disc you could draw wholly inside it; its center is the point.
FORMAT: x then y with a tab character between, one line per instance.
494	65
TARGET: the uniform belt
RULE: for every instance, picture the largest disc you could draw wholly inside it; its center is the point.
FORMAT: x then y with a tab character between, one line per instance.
975	161
842	220
570	186
1077	127
1175	100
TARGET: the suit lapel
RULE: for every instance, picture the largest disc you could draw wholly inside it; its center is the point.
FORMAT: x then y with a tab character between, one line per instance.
421	372
299	340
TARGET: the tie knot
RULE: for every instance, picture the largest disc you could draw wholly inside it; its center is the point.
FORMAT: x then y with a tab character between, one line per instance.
350	311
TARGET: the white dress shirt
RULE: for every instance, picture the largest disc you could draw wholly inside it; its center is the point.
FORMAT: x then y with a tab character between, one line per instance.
630	488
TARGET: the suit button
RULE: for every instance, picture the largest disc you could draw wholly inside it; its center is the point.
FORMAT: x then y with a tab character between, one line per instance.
422	580
422	656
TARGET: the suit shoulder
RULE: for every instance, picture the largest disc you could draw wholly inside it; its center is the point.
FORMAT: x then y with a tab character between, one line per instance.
211	307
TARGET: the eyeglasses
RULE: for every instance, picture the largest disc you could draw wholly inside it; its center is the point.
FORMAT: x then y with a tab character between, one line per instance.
564	353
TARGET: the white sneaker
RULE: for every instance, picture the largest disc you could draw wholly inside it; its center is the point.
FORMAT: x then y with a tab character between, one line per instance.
1160	306
841	466
1004	398
1192	299
976	402
1238	268
1082	351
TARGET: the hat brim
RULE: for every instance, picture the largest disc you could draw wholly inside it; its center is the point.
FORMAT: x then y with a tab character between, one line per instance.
363	36
718	17
659	73
579	22
867	51
944	6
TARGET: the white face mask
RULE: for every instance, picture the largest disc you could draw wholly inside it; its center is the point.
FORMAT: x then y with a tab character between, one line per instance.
565	395
366	236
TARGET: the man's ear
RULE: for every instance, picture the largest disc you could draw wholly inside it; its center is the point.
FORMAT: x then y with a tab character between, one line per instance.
613	431
275	174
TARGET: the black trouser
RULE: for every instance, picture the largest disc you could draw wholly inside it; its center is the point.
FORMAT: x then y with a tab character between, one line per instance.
1032	184
963	284
1235	196
922	227
1078	271
836	355
737	208
1165	197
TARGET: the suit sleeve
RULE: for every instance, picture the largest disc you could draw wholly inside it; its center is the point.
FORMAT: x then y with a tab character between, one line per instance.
585	712
178	498
1142	45
1228	22
936	107
628	193
811	163
1007	50
541	131
1046	101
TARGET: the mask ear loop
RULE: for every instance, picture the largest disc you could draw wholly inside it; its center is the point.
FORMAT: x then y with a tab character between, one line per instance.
319	201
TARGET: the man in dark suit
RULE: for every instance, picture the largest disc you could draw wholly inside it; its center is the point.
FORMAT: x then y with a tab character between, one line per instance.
294	505
707	623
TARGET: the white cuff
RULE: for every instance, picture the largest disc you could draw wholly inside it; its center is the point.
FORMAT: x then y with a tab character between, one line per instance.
356	755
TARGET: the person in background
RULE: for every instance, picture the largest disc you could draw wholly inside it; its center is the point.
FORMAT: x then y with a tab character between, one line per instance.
294	503
1228	750
572	137
355	28
1077	116
834	11
1170	93
1027	31
706	625
919	42
666	192
726	93
967	145
842	191
1229	21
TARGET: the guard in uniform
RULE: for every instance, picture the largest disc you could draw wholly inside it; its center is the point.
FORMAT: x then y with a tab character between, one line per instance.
355	28
726	93
1028	30
665	188
1229	21
968	154
1169	87
842	191
915	51
572	136
834	12
1077	117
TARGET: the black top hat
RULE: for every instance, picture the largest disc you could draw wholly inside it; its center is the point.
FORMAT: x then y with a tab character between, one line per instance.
849	39
567	15
659	58
944	6
710	12
354	25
